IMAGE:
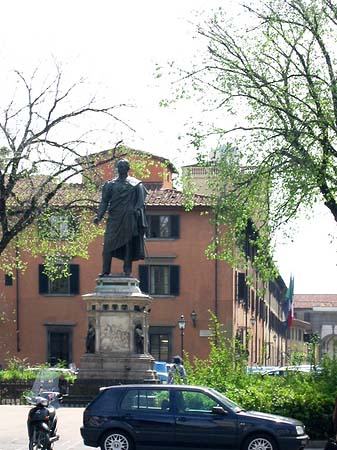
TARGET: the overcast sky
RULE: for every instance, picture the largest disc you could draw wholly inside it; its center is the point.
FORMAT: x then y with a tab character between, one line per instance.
116	44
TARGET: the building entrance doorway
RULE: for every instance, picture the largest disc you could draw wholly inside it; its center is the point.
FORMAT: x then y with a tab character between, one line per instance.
59	348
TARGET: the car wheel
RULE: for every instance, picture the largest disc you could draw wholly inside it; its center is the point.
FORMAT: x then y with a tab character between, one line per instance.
260	442
116	440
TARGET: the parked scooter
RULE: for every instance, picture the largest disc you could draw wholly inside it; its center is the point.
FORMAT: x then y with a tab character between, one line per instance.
42	424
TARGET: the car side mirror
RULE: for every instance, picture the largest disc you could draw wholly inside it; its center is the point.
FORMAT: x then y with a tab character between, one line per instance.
219	410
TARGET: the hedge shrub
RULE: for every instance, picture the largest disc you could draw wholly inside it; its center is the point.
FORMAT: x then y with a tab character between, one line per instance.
308	397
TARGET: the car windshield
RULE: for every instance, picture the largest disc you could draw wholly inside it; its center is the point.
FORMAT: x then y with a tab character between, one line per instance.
229	403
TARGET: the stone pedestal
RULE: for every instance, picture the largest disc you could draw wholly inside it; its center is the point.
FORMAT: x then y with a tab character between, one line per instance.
118	311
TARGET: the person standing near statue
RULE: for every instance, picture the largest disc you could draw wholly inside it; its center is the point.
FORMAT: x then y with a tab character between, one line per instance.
124	198
177	373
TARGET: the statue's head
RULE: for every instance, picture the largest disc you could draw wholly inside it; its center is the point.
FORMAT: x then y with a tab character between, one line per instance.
123	166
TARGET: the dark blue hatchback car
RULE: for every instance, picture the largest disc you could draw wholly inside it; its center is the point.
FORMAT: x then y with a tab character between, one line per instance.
167	417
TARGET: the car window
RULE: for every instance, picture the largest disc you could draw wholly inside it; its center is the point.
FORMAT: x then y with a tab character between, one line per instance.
106	400
226	401
146	400
195	402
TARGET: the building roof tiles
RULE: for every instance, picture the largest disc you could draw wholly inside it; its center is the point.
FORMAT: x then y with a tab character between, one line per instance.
71	192
172	197
314	300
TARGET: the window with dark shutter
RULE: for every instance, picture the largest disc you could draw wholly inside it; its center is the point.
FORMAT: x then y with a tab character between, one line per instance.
242	287
153	227
8	280
60	286
261	309
159	279
163	226
254	306
43	281
74	279
174	280
143	278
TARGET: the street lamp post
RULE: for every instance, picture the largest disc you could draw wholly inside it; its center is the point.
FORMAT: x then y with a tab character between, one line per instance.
182	325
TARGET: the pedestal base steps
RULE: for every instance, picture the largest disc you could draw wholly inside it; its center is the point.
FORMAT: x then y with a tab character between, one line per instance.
117	309
117	367
83	391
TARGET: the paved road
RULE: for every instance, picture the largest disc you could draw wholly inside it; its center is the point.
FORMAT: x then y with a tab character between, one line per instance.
13	431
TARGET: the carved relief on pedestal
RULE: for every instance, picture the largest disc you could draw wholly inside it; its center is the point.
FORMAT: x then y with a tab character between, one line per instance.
114	335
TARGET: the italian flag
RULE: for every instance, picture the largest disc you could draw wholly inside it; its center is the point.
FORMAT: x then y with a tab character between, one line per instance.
290	303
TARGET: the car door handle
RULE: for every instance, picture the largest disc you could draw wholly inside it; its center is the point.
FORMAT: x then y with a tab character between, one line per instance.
181	419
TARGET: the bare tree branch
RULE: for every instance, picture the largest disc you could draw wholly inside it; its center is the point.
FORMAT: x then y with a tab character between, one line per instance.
39	163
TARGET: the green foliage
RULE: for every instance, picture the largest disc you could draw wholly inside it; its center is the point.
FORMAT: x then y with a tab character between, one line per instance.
57	237
308	397
297	358
271	78
189	189
241	217
226	364
18	370
328	375
297	395
16	363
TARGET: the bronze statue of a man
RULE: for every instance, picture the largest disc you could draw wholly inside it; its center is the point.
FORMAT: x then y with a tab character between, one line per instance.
124	198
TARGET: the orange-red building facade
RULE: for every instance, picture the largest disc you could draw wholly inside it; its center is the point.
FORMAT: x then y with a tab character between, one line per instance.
43	327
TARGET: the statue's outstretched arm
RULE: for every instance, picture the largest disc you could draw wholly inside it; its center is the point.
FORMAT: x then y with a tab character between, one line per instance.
104	203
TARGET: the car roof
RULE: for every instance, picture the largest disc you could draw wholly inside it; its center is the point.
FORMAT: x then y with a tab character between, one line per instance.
155	386
301	368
